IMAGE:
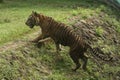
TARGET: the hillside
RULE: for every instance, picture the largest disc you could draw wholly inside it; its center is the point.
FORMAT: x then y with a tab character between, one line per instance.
97	23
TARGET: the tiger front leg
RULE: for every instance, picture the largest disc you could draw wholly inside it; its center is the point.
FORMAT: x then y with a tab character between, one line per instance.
41	42
36	40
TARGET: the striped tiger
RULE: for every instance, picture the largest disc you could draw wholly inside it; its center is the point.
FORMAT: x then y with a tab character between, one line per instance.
64	35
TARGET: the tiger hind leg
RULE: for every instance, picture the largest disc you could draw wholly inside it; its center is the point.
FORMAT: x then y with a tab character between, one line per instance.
58	47
75	59
84	59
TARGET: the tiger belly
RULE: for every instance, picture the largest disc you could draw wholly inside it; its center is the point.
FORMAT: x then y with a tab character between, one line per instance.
64	39
62	35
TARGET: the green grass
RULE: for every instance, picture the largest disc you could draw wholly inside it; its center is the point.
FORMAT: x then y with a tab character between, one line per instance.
14	14
32	63
99	31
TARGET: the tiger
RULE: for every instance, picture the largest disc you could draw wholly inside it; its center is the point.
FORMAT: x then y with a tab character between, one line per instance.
62	35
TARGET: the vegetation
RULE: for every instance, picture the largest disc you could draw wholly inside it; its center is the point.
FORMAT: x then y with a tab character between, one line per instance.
31	63
99	31
1	1
14	13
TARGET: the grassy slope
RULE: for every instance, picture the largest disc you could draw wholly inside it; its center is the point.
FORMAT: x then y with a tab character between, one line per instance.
14	13
44	63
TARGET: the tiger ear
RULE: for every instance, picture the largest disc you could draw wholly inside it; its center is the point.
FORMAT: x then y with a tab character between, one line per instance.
35	13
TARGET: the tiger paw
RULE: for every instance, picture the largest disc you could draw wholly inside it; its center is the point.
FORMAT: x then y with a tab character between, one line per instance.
33	41
40	44
85	69
74	70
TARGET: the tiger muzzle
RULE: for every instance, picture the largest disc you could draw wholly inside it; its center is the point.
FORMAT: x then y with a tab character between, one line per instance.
30	25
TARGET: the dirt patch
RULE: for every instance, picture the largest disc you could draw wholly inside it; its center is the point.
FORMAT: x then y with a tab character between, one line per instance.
18	43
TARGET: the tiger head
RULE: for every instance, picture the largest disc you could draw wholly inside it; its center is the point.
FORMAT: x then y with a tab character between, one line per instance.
32	20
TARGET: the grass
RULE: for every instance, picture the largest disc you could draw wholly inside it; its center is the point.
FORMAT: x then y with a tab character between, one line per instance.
32	63
14	14
99	31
